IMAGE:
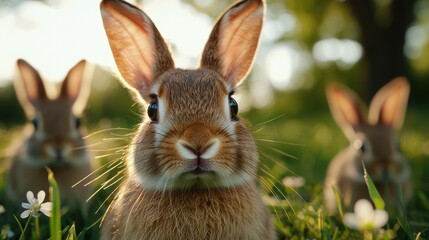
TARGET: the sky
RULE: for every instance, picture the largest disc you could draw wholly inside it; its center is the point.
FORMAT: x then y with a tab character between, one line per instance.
54	37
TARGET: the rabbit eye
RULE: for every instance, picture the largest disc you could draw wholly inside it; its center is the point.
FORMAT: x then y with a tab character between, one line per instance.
152	109
77	122
362	148
234	108
359	144
35	123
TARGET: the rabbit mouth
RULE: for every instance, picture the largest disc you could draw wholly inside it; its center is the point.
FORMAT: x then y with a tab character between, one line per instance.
58	161
199	171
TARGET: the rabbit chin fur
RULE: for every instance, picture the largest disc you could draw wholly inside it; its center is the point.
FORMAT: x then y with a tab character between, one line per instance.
214	214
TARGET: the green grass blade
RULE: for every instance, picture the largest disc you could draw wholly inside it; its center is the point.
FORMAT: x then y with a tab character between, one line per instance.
72	233
24	229
338	199
19	223
373	192
55	220
22	236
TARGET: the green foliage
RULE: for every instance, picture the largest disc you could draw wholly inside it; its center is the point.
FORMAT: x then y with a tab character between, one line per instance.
305	145
338	199
373	192
72	233
55	220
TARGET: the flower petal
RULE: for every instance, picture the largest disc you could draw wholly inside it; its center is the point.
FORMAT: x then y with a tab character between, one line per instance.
364	210
30	197
351	221
25	214
46	206
41	196
26	205
46	212
10	234
380	218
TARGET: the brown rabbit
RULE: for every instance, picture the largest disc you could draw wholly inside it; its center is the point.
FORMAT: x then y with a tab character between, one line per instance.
192	167
373	140
53	139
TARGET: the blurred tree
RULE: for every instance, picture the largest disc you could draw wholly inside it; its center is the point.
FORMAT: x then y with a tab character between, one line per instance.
383	25
380	26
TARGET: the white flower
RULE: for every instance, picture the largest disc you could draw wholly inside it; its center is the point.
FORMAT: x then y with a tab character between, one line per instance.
365	218
293	181
35	205
2	210
10	234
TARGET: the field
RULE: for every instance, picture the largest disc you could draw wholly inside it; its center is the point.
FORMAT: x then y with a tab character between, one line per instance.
289	146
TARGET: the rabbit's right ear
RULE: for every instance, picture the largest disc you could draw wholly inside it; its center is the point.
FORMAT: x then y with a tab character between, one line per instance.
389	104
140	52
232	44
346	108
76	87
29	88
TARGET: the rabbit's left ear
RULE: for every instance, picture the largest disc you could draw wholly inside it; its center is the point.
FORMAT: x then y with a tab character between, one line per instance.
389	105
232	44
76	87
29	88
140	52
346	108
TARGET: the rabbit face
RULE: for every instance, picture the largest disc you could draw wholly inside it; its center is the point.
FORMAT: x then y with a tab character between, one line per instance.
55	139
59	145
378	148
197	136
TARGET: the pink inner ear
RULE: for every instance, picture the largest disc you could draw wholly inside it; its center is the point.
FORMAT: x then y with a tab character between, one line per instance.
140	52
33	85
389	110
389	104
393	110
231	47
72	84
347	109
240	31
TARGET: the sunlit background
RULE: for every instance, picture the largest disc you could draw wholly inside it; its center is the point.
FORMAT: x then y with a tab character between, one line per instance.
54	34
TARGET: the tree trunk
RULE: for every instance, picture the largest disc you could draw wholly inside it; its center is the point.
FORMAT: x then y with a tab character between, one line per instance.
382	42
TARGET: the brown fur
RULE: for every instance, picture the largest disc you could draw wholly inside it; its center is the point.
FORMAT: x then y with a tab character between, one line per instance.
384	163
23	178
165	196
56	131
214	214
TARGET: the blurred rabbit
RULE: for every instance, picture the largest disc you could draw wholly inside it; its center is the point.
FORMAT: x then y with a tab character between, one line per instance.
373	140
52	138
192	167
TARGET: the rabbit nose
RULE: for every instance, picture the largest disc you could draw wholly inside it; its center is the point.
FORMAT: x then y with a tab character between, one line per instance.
54	152
58	152
197	135
190	151
198	143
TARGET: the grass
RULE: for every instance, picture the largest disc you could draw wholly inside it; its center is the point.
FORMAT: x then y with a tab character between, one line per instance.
288	147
